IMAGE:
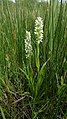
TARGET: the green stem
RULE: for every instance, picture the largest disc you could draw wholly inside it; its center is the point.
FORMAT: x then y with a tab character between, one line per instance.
37	58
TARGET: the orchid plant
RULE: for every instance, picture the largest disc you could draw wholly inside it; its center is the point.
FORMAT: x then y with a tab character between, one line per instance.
34	85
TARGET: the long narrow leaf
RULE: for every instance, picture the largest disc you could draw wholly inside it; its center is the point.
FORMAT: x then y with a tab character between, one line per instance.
2	112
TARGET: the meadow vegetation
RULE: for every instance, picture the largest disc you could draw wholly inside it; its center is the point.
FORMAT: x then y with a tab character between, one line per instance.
33	77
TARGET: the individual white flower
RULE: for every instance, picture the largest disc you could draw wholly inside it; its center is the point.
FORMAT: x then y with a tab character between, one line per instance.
28	46
38	29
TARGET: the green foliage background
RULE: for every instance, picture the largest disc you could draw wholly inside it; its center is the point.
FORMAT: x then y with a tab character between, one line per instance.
29	93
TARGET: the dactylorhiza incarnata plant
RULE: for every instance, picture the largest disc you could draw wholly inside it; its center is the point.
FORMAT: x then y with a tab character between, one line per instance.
28	46
38	31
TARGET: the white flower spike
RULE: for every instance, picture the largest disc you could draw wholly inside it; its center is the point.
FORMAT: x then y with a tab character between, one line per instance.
38	29
28	46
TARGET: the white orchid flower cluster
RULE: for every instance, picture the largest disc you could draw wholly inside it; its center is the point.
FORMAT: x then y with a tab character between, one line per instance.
28	46
38	29
39	36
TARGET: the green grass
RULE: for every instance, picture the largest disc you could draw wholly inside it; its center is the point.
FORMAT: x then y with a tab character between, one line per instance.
34	88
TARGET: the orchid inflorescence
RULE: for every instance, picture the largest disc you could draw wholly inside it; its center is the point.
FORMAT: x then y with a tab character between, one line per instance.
38	29
28	46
